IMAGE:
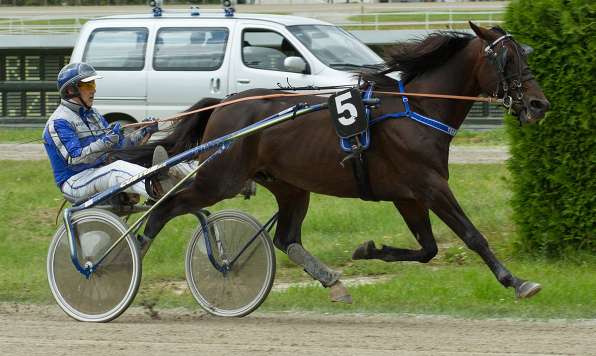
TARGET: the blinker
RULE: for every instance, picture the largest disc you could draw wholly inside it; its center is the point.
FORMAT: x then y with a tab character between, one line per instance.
503	57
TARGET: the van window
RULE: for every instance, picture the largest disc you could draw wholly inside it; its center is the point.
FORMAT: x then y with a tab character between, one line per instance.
196	49
335	47
265	49
117	48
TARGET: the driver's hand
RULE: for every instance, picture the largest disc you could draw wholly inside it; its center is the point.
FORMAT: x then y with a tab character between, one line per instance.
152	128
112	137
115	128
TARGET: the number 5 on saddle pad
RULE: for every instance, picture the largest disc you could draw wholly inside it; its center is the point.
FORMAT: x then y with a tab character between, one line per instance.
347	113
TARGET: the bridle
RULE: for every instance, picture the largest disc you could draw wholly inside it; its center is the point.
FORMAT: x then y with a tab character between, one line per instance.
512	84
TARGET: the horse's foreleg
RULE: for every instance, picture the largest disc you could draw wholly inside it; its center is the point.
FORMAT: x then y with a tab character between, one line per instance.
417	219
444	204
293	205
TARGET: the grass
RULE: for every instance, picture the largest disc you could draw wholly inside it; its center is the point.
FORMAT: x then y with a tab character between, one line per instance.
369	20
493	137
455	283
467	290
408	17
20	135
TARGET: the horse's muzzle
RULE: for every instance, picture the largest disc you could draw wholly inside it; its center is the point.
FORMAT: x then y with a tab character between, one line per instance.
532	110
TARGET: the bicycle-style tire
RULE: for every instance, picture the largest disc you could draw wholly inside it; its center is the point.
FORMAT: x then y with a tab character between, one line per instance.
241	290
109	290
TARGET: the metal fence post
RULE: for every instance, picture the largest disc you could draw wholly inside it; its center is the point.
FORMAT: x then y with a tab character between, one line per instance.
376	21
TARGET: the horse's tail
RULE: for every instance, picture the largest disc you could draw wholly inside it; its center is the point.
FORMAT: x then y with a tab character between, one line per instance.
185	134
189	131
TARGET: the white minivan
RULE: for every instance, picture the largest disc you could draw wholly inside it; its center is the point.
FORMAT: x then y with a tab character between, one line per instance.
159	65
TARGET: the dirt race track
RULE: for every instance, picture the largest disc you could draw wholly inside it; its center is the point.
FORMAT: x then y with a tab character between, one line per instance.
45	330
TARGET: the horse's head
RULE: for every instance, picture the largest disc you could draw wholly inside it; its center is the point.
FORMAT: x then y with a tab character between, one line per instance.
503	72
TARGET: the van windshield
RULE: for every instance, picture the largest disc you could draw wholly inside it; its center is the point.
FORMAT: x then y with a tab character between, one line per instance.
335	47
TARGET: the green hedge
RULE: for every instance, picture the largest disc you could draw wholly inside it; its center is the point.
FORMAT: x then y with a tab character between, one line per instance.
553	162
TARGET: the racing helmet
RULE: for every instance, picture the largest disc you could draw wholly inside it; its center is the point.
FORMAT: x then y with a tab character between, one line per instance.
71	75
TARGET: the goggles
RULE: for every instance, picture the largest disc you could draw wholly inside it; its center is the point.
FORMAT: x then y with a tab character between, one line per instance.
87	85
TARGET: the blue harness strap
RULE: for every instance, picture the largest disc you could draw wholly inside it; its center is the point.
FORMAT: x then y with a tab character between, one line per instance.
437	125
356	145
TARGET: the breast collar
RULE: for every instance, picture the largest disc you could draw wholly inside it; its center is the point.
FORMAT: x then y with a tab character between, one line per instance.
435	124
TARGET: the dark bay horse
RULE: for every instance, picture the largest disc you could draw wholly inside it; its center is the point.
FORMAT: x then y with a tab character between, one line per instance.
407	161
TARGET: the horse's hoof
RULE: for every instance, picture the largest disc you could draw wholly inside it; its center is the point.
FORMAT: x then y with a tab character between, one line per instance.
527	289
362	252
339	293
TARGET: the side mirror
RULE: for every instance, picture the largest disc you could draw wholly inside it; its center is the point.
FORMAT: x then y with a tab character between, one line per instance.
295	64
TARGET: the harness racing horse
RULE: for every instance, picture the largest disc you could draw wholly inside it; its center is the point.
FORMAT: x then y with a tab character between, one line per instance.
407	161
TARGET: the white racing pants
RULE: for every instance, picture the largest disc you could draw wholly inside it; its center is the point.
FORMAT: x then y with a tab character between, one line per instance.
94	180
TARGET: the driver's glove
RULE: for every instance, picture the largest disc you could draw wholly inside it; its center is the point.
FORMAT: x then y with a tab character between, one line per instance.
112	137
97	149
150	129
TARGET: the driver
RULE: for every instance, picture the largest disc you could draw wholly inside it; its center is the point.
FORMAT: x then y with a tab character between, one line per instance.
77	138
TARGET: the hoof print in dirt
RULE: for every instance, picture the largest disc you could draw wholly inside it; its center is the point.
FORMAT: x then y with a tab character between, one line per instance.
149	310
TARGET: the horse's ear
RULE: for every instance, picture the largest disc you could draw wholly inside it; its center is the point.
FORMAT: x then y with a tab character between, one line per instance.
480	31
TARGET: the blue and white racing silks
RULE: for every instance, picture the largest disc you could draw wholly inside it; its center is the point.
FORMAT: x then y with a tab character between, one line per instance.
74	140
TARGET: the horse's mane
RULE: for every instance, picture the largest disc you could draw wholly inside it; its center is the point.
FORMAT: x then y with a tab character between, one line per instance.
415	57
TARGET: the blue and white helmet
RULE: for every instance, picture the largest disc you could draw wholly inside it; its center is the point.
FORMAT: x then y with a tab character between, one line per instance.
71	75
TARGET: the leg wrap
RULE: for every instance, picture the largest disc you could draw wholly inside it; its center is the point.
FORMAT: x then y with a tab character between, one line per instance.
315	268
144	244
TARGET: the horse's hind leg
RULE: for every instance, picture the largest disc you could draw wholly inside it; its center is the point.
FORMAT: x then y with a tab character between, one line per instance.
293	205
417	219
212	183
209	187
190	200
447	208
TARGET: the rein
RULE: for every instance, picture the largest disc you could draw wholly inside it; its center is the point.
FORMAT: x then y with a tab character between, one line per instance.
179	116
490	100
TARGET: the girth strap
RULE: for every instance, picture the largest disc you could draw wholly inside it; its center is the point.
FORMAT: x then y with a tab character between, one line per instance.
360	170
357	146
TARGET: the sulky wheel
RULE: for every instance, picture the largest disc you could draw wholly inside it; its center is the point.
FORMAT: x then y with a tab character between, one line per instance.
112	287
240	290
